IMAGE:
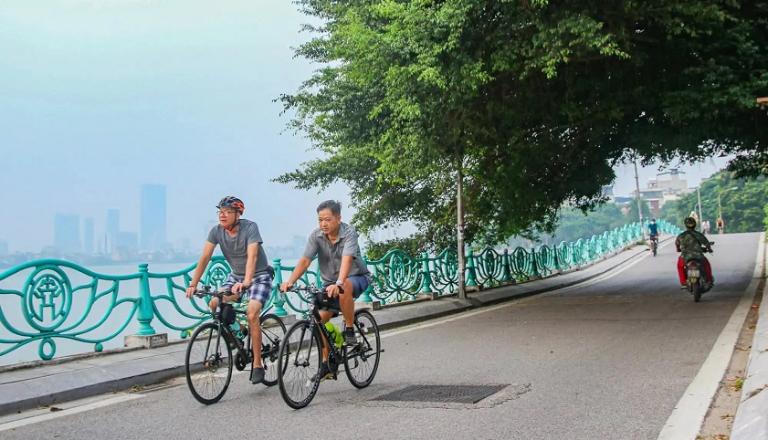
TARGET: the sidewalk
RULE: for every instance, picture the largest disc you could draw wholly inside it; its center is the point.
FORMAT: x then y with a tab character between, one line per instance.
751	420
26	388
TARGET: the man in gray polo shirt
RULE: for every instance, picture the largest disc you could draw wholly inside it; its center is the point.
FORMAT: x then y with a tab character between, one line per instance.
342	268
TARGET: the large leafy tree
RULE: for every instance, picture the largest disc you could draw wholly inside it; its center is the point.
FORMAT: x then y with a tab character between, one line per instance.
528	104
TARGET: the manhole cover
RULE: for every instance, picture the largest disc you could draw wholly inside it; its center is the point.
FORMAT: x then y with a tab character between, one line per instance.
442	393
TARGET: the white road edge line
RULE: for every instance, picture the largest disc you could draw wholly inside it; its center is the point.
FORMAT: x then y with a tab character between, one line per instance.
685	421
68	411
606	276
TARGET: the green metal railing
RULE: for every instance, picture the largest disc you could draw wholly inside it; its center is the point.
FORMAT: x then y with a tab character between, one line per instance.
50	306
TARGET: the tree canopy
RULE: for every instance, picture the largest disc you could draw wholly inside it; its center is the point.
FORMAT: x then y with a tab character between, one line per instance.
530	102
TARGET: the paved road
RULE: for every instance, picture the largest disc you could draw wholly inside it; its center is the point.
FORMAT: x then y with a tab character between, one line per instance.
607	360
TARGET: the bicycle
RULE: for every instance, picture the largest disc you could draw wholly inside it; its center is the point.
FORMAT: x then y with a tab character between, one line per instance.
208	363
301	353
654	244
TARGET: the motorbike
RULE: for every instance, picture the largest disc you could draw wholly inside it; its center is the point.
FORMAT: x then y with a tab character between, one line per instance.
696	277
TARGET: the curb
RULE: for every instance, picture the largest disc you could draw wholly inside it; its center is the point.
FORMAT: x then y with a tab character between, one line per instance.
751	421
443	306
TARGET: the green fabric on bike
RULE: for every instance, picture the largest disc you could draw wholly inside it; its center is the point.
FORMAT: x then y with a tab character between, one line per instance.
691	243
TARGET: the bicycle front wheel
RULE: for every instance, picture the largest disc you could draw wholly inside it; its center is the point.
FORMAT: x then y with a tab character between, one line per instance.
362	360
208	364
272	334
298	365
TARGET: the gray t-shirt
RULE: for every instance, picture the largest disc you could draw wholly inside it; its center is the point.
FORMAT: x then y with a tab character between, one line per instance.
329	254
235	249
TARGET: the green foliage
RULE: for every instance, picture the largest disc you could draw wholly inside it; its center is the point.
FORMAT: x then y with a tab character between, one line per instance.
412	245
575	224
743	207
532	102
765	220
646	209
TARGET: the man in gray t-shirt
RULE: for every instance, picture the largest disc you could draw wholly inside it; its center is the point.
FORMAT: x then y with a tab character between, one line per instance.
235	248
342	268
240	242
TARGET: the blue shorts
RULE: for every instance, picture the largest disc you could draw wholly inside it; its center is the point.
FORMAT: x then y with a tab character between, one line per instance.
359	284
260	290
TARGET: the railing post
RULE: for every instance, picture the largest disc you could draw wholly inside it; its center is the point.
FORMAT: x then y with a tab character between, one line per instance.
278	297
426	278
558	268
506	273
366	296
145	313
471	270
534	264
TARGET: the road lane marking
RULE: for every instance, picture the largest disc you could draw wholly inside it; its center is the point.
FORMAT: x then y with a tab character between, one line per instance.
66	410
685	421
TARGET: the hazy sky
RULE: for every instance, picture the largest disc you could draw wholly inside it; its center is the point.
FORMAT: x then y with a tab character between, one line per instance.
100	96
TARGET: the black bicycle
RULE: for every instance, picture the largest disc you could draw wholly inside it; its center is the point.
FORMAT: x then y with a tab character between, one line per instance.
301	352
654	244
209	358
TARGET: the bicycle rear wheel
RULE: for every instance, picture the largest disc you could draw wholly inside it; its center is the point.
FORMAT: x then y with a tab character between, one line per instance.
272	334
208	364
362	360
299	365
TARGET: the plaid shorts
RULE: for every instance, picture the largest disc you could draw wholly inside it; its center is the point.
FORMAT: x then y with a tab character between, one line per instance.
260	289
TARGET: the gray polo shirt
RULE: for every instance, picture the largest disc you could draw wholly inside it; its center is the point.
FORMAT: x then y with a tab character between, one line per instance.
235	249
329	254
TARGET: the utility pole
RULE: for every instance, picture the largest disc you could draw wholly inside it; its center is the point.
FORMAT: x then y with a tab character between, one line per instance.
698	195
639	204
460	229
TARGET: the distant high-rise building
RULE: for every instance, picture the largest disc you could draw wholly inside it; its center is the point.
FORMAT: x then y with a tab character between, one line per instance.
127	241
66	233
113	229
88	236
153	217
3	248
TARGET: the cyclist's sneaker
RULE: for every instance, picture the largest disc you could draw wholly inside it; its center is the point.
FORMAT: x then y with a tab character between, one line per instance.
349	336
257	375
683	286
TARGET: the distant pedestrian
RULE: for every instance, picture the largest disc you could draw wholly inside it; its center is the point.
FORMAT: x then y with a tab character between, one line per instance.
720	225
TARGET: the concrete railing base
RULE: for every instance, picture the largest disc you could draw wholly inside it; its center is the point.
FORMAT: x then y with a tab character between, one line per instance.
149	341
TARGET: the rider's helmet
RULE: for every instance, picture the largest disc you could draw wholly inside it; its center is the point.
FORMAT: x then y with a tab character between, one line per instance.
690	222
232	203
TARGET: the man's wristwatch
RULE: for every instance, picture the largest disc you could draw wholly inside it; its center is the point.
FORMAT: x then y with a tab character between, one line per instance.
339	283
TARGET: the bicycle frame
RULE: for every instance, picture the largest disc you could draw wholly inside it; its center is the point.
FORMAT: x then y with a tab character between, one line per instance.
224	330
345	353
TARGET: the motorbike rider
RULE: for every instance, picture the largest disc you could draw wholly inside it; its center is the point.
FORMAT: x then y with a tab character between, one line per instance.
692	244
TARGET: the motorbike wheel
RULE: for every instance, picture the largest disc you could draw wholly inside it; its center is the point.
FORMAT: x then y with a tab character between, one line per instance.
696	291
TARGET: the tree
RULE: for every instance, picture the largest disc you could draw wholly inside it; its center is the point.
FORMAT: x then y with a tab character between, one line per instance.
742	200
527	104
